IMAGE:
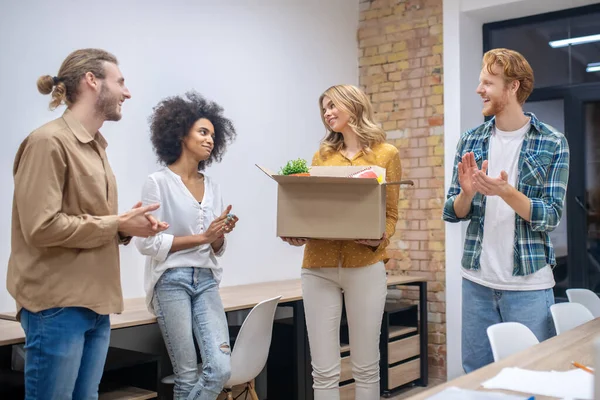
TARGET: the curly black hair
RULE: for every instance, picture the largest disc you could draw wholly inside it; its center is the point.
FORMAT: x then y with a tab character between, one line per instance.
172	119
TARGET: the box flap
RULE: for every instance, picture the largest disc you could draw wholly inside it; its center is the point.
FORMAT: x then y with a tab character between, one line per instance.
324	175
334	175
334	171
266	171
346	171
403	182
290	179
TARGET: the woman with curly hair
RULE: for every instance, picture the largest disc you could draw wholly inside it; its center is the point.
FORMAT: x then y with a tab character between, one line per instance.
182	272
354	267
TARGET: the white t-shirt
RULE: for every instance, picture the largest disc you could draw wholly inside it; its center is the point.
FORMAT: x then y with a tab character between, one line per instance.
185	216
497	252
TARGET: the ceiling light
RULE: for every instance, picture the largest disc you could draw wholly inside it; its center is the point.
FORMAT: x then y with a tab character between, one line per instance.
593	67
574	41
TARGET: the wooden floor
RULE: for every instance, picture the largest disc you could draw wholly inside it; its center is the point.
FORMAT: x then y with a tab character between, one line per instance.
411	391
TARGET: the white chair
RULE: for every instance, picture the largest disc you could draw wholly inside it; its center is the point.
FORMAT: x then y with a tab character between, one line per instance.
567	316
251	349
507	338
589	299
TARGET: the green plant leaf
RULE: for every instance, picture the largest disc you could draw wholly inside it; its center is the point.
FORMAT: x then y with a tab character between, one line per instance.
294	167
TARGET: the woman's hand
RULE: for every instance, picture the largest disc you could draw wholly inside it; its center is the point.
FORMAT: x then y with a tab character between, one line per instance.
230	221
224	225
295	241
372	242
217	228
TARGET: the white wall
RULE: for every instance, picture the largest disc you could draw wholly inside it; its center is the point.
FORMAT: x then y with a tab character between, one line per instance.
265	61
463	49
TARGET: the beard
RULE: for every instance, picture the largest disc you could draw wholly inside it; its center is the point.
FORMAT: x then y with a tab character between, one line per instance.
495	106
107	105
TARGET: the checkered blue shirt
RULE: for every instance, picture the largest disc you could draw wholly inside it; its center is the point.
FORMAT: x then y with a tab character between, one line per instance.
542	177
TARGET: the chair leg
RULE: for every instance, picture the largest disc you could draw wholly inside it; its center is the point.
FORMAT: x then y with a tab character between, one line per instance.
253	394
229	393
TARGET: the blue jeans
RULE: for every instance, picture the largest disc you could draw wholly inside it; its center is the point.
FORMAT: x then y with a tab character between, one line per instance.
188	304
483	307
65	353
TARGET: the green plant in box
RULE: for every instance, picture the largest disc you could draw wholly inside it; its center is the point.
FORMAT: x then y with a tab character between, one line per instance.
295	167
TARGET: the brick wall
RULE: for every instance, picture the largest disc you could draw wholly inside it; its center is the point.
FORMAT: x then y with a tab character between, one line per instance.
400	59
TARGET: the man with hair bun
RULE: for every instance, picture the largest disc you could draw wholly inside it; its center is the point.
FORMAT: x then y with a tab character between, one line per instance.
63	270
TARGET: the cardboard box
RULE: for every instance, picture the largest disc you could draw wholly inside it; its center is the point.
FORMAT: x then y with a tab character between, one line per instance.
329	204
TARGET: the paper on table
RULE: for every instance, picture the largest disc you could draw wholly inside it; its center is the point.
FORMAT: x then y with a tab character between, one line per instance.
454	393
575	383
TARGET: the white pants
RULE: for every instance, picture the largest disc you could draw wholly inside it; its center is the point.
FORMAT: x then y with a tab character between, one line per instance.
365	290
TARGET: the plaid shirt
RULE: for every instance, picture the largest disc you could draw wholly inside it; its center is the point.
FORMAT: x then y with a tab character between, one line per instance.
543	176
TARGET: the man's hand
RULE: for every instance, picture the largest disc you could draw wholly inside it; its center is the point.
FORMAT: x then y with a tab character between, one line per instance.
490	186
156	224
138	221
500	187
466	168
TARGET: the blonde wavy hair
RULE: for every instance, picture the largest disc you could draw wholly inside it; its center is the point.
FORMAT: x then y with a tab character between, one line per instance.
356	104
64	87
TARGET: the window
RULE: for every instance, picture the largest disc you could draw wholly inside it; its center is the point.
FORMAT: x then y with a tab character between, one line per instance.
563	48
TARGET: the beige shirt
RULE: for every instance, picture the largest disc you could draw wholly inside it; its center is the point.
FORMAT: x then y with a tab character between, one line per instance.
65	241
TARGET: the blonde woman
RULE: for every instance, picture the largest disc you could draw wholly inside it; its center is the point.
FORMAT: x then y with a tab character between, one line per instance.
356	267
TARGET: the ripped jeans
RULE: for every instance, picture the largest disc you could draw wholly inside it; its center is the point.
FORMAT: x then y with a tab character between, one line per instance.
188	305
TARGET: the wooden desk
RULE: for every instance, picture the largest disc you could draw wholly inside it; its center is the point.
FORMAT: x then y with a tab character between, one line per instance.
243	297
239	297
553	354
234	298
11	333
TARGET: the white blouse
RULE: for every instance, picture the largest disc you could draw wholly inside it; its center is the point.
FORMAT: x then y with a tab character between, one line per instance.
185	216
